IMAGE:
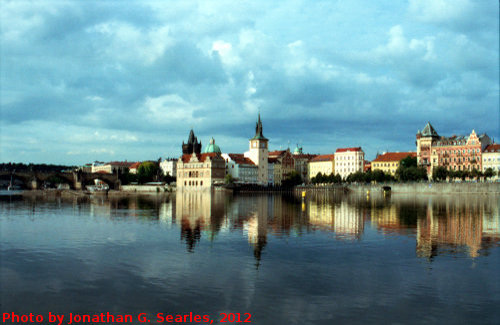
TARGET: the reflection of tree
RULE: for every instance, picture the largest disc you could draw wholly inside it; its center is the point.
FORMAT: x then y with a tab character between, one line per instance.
190	234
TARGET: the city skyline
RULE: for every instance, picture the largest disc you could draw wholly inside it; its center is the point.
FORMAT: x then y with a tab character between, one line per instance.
86	81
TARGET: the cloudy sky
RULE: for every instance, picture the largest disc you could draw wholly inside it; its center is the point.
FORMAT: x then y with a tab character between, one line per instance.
115	80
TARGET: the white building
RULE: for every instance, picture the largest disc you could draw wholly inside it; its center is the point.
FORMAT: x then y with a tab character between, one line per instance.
241	168
491	159
169	166
349	161
112	167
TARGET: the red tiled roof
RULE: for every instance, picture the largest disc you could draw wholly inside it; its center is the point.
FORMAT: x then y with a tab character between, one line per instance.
305	155
240	159
492	148
276	152
348	149
323	158
201	157
394	156
135	165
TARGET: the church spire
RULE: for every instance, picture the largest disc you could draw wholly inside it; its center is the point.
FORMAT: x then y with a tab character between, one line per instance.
258	130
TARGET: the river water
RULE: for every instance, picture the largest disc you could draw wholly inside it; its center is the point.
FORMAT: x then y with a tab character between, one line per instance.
272	259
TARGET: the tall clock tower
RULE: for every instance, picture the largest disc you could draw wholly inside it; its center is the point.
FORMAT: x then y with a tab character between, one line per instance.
259	153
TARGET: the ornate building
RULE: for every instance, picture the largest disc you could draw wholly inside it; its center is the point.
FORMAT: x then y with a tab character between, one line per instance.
197	171
192	145
453	153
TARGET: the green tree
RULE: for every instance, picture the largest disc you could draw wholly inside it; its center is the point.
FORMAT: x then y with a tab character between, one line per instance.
147	172
229	179
489	172
292	179
408	162
439	174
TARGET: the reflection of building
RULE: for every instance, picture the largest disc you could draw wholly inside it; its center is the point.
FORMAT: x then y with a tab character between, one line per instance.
454	153
349	161
491	159
197	213
344	219
389	162
454	225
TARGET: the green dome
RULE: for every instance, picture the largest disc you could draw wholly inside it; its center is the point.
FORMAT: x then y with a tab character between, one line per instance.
212	147
298	150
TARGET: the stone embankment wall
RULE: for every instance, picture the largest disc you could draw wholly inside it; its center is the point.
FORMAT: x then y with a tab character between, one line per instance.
429	188
147	188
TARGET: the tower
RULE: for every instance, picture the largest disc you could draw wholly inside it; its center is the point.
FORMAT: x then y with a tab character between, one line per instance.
193	145
259	153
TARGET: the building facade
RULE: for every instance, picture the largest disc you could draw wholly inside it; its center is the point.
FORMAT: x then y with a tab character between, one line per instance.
457	153
349	161
200	171
112	167
169	166
287	164
388	162
241	168
301	162
491	159
324	164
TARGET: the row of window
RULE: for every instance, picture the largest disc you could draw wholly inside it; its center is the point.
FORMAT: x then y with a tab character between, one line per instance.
193	183
385	164
458	151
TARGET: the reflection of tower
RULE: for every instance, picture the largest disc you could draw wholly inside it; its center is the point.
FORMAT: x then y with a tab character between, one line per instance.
259	153
256	228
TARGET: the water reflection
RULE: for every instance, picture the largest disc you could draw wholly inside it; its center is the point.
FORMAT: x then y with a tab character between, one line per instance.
439	224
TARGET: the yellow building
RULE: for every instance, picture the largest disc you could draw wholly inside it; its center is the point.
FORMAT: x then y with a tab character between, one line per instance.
389	161
324	164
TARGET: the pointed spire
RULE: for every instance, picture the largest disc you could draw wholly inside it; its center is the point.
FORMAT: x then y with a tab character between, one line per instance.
258	130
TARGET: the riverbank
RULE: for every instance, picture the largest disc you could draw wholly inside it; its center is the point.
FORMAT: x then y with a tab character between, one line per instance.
415	188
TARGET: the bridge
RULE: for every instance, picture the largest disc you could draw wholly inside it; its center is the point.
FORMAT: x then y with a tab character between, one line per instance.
76	180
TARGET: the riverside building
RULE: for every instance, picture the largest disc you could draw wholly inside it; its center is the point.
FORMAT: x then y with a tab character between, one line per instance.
457	153
199	171
389	162
491	159
349	161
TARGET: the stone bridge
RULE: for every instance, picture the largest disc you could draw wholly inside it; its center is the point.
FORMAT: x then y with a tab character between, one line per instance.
76	180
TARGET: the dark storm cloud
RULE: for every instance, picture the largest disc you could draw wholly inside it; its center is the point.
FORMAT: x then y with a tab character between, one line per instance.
346	73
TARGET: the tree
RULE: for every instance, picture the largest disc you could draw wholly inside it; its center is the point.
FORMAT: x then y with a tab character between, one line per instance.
229	179
147	171
489	172
292	179
440	173
408	162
